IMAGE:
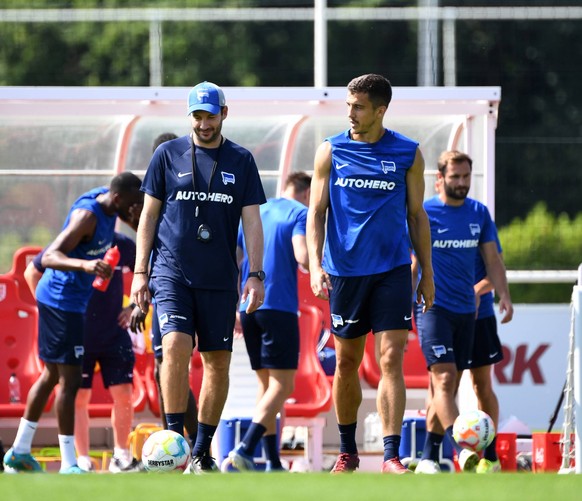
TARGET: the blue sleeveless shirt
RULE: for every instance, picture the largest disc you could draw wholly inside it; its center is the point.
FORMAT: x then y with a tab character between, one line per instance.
71	290
366	220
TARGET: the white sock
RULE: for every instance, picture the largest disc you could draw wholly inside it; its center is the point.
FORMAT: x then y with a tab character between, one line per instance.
24	436
67	446
122	454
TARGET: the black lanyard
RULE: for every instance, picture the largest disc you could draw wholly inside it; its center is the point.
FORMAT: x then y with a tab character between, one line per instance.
195	168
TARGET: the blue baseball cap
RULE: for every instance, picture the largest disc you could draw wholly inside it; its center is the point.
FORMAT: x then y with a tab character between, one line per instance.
206	96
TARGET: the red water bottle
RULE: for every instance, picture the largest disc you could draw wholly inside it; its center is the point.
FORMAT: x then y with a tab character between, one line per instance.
111	258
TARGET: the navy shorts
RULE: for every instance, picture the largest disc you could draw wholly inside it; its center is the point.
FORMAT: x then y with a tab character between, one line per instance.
155	334
60	335
116	367
487	348
207	314
271	338
378	303
446	337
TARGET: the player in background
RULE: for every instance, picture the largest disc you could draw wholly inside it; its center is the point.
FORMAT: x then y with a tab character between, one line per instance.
108	344
72	260
271	333
368	184
460	228
487	351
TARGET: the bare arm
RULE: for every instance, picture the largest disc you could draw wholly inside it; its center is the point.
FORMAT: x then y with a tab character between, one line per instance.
419	229
316	216
254	288
81	228
299	243
143	247
32	276
497	275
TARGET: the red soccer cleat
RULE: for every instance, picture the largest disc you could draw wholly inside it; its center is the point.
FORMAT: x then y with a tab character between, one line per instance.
395	467
346	463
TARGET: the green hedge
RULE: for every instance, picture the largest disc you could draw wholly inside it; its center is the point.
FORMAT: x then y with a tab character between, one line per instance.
542	241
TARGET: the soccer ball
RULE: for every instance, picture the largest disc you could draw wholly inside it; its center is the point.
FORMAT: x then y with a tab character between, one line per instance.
165	450
474	430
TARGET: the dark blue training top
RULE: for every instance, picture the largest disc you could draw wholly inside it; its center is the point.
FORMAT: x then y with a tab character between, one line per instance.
177	253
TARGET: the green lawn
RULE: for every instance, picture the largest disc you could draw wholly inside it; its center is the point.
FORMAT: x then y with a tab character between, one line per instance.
296	487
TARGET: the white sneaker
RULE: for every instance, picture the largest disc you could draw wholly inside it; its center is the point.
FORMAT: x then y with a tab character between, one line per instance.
427	467
468	460
117	465
85	463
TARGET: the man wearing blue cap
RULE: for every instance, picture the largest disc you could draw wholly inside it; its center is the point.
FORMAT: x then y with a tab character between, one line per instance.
197	188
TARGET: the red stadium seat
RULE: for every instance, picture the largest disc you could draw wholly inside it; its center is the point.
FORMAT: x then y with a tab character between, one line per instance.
20	261
415	371
306	297
196	371
101	403
152	388
312	394
18	346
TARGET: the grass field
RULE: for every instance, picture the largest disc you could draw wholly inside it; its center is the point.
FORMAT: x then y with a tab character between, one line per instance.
296	487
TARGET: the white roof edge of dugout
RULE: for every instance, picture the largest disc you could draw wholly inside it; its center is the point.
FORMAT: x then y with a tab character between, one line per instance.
491	94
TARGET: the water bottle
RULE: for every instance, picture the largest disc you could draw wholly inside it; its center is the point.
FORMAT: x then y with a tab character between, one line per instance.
373	433
111	258
14	389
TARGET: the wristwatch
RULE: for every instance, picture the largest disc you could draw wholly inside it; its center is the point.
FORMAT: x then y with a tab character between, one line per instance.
258	274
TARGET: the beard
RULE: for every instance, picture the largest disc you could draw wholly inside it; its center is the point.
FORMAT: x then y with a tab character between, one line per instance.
459	193
213	137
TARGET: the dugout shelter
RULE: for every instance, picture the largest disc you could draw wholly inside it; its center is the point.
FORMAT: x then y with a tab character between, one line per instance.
58	142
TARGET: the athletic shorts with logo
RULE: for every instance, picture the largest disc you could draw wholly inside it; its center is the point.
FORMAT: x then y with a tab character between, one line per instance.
271	338
374	303
207	314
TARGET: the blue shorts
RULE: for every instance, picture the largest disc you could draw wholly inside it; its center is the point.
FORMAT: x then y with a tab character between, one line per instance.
60	335
487	349
271	338
378	303
116	367
155	334
446	337
208	314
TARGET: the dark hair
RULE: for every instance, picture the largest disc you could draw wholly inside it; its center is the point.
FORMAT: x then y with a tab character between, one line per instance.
162	138
300	180
126	182
452	156
377	87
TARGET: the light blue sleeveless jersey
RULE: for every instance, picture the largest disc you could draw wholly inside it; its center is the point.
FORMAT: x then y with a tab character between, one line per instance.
71	290
366	220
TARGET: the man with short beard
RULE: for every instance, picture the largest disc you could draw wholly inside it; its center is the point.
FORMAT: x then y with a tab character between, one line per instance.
197	189
460	228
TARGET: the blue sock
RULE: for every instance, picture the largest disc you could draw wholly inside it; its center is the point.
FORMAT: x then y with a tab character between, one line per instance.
432	446
251	438
203	439
491	451
271	447
347	433
449	434
192	437
176	422
391	446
